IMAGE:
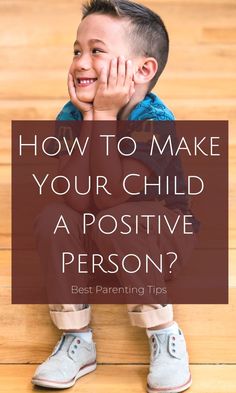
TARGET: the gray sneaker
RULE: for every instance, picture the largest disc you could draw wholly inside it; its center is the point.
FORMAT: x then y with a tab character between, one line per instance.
71	358
169	367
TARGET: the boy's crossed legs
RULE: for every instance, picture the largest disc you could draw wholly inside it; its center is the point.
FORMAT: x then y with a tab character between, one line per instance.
75	353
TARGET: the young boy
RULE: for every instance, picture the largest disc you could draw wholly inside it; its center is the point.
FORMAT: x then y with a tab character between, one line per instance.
120	51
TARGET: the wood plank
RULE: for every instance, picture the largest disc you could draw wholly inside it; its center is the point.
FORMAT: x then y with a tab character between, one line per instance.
5	268
123	378
33	84
195	86
29	27
12	3
203	325
219	34
216	57
27	57
5	203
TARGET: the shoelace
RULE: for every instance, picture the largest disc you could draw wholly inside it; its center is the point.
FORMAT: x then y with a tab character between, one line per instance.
155	347
155	343
61	342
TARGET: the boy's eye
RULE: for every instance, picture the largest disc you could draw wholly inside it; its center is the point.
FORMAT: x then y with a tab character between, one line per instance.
76	52
97	50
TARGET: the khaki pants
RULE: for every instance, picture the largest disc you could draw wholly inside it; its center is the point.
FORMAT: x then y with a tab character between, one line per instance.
76	316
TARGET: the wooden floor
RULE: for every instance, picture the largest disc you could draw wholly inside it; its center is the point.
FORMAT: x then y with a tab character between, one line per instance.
121	378
199	83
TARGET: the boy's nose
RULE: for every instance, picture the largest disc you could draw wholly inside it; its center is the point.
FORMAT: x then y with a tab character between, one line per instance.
82	62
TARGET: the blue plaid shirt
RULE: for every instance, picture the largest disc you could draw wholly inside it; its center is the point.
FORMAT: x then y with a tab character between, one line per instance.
151	108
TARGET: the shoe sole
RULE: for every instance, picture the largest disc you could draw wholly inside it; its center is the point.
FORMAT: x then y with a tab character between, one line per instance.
174	389
63	385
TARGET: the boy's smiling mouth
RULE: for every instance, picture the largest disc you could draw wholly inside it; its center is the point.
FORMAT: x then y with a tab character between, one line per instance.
83	82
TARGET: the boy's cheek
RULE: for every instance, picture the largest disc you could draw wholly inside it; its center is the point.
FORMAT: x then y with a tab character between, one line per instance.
99	65
72	71
71	68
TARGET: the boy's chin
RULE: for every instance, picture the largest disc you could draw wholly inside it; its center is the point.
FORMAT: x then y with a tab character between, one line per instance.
83	97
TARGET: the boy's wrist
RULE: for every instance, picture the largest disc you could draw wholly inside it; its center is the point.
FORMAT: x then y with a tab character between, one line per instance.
104	115
88	115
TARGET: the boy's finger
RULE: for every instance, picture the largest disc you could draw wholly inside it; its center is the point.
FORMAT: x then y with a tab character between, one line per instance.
112	80
121	71
71	87
129	73
131	90
102	81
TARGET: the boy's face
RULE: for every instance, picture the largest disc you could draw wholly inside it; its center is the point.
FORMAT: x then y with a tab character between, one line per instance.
100	38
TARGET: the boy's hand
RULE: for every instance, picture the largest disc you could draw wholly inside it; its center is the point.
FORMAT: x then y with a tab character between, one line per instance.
85	108
115	89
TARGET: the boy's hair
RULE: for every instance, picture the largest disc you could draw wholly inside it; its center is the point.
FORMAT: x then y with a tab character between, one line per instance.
148	31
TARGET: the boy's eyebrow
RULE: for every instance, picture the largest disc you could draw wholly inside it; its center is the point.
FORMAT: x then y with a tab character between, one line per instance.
92	41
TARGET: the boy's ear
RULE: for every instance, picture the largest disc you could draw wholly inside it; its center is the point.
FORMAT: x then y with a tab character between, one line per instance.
146	70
